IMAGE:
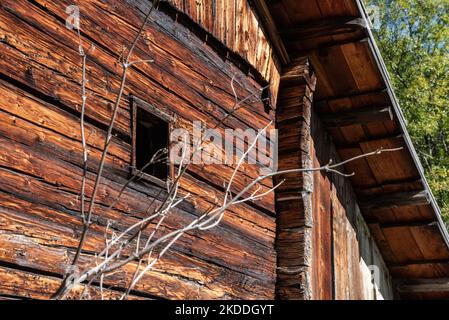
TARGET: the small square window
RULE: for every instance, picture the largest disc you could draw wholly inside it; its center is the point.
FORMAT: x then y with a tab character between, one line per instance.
151	131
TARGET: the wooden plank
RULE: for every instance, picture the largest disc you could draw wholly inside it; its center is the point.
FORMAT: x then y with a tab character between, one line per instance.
363	175
361	67
352	249
46	117
404	214
390	166
222	19
323	257
331	64
269	24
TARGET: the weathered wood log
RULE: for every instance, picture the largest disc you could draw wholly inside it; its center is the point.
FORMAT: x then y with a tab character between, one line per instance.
47	136
165	45
191	244
133	203
23	105
24	284
297	73
294	207
113	79
252	223
19	103
41	155
70	150
48	247
215	178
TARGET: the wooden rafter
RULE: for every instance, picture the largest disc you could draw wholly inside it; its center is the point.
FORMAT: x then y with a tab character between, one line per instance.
417	263
394	200
325	45
423	285
322	28
411	224
382	91
374	141
359	116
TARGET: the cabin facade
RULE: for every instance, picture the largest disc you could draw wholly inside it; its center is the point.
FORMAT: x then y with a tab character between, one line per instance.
323	85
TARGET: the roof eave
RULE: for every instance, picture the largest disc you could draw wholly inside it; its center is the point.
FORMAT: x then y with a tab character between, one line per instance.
400	116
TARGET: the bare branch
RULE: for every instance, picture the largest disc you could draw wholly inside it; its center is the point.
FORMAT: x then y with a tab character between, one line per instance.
131	245
87	218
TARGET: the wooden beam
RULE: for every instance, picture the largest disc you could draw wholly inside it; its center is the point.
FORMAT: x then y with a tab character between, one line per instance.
323	27
382	91
297	73
411	224
399	139
325	45
395	200
423	285
390	183
359	116
270	26
294	206
416	263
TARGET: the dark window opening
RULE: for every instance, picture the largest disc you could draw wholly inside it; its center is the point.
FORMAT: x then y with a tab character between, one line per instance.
150	141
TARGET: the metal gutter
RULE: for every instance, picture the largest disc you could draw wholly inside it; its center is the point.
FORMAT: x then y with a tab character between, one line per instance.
383	70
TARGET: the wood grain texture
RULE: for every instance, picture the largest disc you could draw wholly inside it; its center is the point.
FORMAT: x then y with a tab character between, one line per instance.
238	26
345	252
41	156
293	197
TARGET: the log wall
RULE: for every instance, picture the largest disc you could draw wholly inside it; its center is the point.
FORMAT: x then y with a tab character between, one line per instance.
41	155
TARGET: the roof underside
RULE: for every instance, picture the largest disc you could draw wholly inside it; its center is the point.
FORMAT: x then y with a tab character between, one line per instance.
355	100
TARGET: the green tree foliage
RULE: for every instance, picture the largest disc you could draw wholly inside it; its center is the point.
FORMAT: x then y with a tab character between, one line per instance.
413	36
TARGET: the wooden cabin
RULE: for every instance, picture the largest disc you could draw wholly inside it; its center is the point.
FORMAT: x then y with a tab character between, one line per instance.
375	235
